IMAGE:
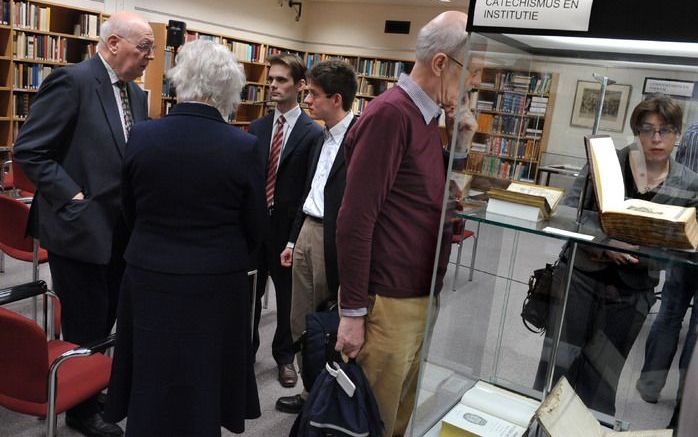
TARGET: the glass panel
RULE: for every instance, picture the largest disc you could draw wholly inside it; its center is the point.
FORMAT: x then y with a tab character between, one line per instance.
525	107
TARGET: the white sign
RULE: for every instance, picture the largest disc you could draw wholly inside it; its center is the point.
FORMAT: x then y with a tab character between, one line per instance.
570	15
669	87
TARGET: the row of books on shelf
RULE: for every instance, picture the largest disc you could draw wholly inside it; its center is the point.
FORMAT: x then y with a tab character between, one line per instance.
507	148
508	125
252	93
359	105
40	47
314	58
513	103
246	52
193	36
32	16
30	76
373	87
519	82
5	12
498	167
277	51
21	103
377	67
88	26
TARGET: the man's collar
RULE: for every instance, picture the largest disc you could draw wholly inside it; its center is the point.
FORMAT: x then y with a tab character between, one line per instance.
290	116
112	74
426	105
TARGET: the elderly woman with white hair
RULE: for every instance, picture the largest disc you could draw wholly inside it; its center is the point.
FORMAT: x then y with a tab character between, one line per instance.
193	190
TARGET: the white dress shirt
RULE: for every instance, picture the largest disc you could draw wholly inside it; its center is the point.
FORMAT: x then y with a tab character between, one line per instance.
117	93
291	117
315	202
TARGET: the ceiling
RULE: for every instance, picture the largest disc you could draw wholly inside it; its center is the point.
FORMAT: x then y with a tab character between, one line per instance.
431	3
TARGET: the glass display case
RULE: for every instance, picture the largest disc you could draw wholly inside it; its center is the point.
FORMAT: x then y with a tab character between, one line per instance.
610	285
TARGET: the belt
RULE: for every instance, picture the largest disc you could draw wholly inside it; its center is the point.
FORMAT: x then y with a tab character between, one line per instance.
314	219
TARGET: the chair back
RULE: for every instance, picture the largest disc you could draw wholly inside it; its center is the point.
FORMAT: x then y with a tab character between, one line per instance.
13	226
23	358
21	181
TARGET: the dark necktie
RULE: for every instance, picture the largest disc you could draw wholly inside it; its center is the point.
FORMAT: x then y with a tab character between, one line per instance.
125	106
274	155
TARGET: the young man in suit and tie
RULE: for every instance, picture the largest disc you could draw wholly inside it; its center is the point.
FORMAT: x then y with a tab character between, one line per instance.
72	146
311	249
285	138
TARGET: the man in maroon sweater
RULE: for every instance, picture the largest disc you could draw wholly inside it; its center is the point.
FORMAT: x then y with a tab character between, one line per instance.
389	222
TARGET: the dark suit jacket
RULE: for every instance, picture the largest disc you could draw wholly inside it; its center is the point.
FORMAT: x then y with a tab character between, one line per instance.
291	174
193	194
73	141
334	192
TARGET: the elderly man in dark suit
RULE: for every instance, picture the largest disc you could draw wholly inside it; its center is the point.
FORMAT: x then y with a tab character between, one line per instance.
72	147
312	250
285	138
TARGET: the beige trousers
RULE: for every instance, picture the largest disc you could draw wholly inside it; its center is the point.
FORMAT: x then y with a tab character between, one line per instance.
390	356
309	280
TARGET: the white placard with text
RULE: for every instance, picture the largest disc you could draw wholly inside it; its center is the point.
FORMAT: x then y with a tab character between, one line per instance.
570	15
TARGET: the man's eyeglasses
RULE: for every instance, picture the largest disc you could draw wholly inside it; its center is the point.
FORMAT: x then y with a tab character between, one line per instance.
314	95
145	47
455	60
650	131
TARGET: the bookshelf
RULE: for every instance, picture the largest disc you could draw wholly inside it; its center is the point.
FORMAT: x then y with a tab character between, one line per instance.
35	38
513	110
374	75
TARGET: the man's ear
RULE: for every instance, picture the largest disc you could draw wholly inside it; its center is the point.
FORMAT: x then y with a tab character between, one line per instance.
112	43
439	63
337	100
300	86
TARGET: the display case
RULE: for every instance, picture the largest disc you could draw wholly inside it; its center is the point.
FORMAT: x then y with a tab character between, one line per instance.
607	287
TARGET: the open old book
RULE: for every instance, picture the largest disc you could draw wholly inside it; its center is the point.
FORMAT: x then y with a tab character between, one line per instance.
525	201
634	220
489	411
563	414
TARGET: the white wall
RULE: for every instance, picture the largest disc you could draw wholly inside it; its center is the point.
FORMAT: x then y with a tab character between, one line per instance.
358	29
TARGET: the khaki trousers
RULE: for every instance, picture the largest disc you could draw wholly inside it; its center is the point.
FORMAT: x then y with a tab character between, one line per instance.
390	356
309	280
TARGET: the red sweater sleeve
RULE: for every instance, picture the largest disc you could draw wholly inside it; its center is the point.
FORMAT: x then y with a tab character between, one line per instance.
375	148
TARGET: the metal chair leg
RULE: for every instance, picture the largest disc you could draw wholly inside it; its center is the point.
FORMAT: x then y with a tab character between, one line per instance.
35	277
460	251
2	261
476	237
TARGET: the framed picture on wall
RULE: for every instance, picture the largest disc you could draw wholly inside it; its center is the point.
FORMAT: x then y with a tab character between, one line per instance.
615	106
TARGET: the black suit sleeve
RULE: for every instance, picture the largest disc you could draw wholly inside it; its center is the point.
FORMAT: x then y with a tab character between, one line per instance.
40	144
254	207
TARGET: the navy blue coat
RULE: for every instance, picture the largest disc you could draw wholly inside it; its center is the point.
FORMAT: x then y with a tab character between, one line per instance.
193	194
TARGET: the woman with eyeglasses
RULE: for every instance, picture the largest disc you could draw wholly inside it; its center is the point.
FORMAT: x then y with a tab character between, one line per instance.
611	292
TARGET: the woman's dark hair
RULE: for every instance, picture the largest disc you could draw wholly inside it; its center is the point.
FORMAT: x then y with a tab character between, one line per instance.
659	104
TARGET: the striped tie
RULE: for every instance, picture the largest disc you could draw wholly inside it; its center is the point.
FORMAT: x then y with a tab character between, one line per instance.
274	154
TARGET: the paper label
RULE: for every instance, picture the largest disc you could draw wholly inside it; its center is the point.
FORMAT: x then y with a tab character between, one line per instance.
534	14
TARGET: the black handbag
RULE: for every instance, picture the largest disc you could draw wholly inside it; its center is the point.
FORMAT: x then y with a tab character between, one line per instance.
536	306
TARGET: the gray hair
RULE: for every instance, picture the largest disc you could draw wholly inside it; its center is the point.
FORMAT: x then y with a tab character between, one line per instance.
439	37
115	25
208	72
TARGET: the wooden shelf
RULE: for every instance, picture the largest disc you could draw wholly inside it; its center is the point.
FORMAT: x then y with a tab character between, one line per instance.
387	78
511	114
499	90
366	96
507	157
513	137
62	35
24	90
40	61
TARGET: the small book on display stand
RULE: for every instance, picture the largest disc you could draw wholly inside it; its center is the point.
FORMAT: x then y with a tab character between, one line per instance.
524	201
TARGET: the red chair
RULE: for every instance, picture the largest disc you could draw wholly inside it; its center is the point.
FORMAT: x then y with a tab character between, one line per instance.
460	234
24	186
45	378
13	239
